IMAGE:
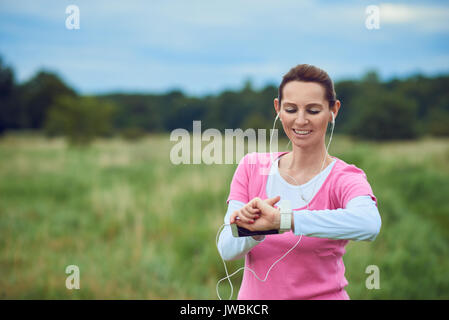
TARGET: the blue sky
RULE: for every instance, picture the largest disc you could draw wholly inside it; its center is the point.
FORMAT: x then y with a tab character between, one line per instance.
204	47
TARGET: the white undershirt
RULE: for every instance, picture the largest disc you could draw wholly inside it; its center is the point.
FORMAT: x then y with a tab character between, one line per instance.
277	185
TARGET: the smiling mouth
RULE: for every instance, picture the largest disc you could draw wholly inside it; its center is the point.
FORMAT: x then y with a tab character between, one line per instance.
302	132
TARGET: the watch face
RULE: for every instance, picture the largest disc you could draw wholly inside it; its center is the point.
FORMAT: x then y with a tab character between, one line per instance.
286	221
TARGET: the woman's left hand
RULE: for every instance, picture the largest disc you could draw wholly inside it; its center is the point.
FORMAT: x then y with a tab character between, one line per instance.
269	217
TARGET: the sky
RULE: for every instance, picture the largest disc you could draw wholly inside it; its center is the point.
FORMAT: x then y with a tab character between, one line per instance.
205	47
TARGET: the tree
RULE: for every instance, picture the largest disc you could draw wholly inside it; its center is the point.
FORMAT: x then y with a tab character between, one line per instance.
38	94
346	91
385	115
438	119
9	108
256	121
80	119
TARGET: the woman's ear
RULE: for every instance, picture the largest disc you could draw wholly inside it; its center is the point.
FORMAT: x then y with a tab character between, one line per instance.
276	105
335	109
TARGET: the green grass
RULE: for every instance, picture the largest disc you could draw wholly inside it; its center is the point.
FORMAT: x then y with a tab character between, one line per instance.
140	227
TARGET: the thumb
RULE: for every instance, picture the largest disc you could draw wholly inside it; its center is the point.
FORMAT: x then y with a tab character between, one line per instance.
272	201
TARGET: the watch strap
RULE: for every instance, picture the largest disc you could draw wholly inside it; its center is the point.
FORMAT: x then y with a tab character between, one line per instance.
285	216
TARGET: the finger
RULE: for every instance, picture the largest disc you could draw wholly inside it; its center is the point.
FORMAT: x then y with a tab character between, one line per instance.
245	216
272	201
248	214
252	204
244	225
255	203
253	211
233	216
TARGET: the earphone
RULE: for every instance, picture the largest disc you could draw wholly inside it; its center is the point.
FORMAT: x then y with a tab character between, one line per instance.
300	237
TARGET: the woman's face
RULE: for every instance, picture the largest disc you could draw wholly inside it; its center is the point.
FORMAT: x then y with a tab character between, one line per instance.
305	112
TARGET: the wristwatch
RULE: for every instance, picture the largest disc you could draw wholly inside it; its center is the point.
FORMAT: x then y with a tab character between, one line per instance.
286	216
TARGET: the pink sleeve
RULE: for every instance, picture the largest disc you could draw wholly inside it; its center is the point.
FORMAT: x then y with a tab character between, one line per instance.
354	185
239	184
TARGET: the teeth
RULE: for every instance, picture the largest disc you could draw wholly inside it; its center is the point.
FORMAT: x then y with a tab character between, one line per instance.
301	132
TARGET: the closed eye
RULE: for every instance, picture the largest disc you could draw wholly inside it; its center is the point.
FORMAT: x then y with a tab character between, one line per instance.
309	111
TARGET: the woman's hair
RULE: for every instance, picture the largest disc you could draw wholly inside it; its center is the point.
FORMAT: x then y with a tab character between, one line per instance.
309	73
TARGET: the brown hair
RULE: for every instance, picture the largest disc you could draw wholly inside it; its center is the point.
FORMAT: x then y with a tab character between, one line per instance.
309	73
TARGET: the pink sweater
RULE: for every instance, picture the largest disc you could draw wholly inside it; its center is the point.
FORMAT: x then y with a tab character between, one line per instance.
314	269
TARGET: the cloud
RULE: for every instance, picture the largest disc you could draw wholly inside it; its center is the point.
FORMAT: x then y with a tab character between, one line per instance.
427	18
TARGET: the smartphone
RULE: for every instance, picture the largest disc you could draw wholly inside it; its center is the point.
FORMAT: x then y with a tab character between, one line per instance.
242	232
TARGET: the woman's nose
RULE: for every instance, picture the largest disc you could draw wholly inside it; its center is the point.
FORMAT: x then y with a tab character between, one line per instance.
301	119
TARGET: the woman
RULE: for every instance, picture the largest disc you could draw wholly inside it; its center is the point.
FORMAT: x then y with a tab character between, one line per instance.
332	201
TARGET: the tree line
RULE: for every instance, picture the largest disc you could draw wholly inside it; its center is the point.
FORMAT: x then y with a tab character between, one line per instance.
371	109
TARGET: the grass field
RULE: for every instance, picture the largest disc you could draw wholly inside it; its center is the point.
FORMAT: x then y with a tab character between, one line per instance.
139	227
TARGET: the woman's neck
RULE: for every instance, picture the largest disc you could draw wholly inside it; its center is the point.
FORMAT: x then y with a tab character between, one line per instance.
308	162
